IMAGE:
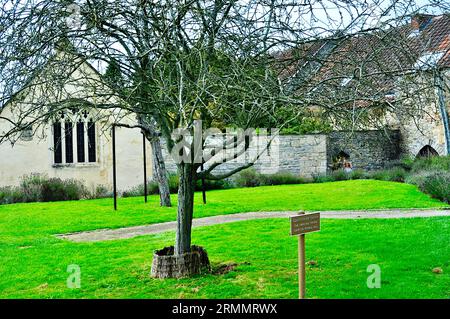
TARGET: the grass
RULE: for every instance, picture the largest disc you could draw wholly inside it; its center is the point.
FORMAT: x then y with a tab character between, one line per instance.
406	250
29	220
33	263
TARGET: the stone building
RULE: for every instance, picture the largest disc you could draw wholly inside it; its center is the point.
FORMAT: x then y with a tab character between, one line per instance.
77	145
72	145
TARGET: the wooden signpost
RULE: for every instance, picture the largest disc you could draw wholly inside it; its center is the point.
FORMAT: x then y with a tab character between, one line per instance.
300	225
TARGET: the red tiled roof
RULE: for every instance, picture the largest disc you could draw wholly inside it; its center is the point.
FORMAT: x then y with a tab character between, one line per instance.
380	56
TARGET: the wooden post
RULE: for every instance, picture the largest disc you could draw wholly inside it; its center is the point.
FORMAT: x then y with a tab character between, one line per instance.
301	267
301	264
145	167
114	166
203	186
300	225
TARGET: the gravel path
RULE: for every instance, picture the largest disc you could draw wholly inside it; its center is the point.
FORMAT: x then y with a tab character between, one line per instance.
129	232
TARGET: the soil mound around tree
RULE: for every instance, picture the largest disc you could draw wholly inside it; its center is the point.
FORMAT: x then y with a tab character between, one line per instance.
167	265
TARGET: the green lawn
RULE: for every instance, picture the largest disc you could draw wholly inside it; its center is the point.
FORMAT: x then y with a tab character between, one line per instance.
33	263
20	221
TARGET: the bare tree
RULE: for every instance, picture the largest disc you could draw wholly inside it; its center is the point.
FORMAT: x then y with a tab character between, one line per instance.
239	63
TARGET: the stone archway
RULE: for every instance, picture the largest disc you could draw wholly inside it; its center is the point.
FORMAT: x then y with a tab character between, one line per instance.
343	154
339	159
427	151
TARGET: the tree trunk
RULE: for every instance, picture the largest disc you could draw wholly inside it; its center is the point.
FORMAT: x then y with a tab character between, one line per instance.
186	173
160	173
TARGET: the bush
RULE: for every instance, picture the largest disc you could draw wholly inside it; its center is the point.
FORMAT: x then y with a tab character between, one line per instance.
40	188
339	175
357	174
31	187
55	189
152	189
281	178
10	195
434	183
251	178
322	178
434	163
210	185
173	183
101	191
392	175
248	178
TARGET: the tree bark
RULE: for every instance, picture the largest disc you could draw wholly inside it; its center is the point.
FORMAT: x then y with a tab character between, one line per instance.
186	173
160	173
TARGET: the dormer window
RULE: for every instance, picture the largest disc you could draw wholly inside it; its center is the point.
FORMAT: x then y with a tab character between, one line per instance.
414	33
428	60
390	95
345	81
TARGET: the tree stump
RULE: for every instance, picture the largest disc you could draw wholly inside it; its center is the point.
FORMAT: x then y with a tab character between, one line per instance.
167	265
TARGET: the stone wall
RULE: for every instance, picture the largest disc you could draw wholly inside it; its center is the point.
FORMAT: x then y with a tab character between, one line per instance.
367	149
303	155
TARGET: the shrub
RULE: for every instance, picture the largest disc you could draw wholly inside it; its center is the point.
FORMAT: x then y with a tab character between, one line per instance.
101	191
9	195
396	175
31	187
281	178
357	174
339	175
392	175
173	183
322	178
251	178
434	183
40	188
55	189
248	178
434	163
210	185
152	189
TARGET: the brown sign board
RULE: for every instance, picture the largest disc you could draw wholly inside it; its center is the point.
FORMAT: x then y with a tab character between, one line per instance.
305	223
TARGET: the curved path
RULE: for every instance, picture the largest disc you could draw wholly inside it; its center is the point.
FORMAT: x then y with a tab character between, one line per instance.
129	232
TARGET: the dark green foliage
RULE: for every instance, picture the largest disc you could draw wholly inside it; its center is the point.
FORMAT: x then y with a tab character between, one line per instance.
211	185
10	195
393	175
173	183
340	175
248	178
113	75
40	188
152	187
322	178
282	178
102	191
435	183
431	175
251	178
358	174
434	163
31	187
55	189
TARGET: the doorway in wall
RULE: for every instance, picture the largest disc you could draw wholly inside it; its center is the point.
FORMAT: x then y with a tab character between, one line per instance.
427	151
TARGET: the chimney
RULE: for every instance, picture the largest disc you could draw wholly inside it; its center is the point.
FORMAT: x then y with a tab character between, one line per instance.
420	21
